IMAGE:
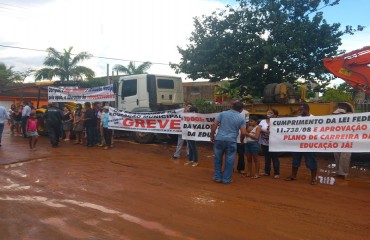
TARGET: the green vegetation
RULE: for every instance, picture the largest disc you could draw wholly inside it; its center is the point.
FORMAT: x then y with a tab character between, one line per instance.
132	69
336	95
261	42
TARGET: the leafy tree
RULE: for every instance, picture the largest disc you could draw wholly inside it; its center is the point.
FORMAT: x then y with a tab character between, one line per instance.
132	69
262	42
336	95
64	65
7	75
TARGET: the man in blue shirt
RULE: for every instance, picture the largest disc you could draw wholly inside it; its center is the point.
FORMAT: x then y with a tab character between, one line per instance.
3	115
228	123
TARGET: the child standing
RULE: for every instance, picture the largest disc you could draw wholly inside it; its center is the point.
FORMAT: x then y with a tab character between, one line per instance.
106	131
32	130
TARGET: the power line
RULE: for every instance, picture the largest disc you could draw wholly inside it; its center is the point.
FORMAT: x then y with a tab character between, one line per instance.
108	58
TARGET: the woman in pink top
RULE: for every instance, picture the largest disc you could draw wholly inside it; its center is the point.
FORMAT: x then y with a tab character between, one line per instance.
32	130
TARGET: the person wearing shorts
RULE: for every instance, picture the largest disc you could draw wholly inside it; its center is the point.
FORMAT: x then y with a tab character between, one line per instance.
252	147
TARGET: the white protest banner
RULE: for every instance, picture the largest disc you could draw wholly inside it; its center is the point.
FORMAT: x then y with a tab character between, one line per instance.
332	133
103	93
197	126
157	122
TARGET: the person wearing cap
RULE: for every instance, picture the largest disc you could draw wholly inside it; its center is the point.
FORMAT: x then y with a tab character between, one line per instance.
106	131
240	146
342	159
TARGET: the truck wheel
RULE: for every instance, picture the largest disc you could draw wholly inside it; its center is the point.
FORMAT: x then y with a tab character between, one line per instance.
143	137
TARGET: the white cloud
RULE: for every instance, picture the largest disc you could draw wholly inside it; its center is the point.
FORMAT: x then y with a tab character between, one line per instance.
141	30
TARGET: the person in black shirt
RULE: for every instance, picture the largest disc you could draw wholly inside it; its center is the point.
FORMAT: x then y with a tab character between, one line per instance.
53	120
90	124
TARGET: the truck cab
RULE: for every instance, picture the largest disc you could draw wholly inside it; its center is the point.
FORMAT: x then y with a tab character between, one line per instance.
149	92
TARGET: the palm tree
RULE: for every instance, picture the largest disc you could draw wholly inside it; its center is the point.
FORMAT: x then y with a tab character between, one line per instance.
7	75
64	66
131	68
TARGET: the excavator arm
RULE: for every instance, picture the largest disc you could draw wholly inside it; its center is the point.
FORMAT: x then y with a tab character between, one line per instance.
352	67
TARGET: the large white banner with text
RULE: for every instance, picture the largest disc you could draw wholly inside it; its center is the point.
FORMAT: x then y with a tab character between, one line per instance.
95	94
157	122
196	126
332	133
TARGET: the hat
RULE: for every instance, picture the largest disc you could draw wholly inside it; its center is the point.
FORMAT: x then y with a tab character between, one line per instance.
106	107
339	111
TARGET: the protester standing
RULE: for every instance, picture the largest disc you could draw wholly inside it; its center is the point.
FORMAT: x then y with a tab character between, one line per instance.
180	141
252	147
240	149
107	133
67	122
90	124
26	111
3	115
192	144
309	157
342	159
264	142
53	120
78	124
32	131
228	124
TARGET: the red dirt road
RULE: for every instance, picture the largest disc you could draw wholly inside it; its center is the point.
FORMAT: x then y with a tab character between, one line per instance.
136	191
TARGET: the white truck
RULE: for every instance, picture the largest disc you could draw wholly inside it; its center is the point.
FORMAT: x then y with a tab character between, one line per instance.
148	93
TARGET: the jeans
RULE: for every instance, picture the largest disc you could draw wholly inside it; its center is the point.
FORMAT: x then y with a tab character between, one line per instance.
309	157
90	132
229	149
193	151
24	126
180	142
1	131
240	151
271	156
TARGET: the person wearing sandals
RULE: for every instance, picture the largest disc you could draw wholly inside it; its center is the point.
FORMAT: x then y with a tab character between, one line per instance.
264	141
252	146
309	157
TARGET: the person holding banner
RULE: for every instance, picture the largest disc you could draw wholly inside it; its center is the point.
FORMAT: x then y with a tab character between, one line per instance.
107	133
228	124
90	124
180	141
309	157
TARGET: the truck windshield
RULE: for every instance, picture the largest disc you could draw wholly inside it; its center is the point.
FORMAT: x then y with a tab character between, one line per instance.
129	88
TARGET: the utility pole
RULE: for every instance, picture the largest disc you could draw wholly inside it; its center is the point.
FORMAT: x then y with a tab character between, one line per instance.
108	80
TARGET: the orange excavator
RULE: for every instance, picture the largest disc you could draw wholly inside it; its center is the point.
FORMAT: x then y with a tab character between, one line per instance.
352	67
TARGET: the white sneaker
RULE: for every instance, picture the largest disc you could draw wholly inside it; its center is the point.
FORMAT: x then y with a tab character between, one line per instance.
277	176
195	164
188	163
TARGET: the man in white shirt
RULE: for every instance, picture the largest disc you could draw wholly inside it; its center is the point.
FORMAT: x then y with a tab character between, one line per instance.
26	111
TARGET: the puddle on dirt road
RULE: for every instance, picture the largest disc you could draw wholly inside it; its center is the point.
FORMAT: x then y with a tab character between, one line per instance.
329	173
150	225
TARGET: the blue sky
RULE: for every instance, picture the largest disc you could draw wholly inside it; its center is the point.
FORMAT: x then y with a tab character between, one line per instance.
138	30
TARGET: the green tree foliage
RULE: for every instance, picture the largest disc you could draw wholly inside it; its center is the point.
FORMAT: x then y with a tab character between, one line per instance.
132	69
261	42
64	66
7	75
336	95
10	77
